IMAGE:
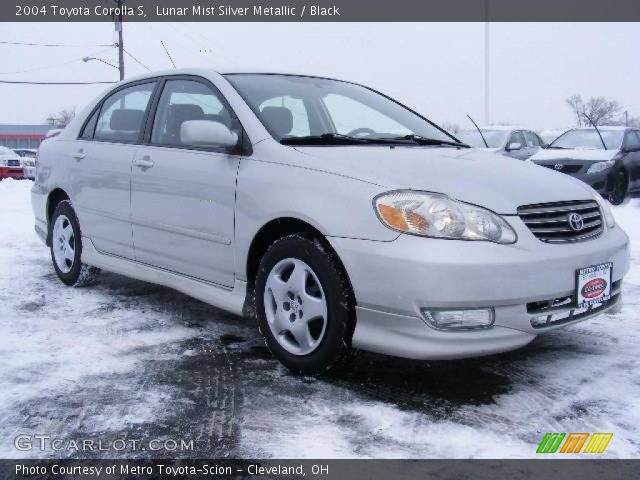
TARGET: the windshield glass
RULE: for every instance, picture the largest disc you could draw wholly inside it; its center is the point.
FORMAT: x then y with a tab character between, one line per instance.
297	107
494	138
589	139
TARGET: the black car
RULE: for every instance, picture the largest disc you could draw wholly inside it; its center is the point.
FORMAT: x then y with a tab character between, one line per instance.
608	159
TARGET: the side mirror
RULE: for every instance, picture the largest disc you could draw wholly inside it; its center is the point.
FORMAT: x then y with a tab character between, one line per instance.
514	146
207	133
545	145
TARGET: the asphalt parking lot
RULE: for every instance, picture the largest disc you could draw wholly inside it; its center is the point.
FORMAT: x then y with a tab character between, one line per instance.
129	360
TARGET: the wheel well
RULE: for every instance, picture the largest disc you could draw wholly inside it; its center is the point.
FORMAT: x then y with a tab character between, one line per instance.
55	197
271	232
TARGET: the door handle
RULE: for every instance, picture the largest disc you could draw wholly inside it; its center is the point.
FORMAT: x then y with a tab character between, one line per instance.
79	155
144	162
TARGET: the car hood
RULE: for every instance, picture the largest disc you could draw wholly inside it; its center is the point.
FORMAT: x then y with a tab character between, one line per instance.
493	181
586	154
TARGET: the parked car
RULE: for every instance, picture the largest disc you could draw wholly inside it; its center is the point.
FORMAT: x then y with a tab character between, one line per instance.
608	161
28	158
10	164
513	142
339	217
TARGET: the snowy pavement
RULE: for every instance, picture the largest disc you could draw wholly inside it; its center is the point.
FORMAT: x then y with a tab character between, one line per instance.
127	359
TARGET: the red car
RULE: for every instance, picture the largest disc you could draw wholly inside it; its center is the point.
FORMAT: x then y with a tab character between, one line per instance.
10	164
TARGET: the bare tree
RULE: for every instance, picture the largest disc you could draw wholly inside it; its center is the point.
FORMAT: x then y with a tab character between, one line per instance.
62	118
595	111
577	105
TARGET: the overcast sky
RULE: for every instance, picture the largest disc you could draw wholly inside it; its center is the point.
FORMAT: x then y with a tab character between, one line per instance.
438	69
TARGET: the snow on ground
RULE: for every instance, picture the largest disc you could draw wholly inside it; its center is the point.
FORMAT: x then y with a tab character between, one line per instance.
127	359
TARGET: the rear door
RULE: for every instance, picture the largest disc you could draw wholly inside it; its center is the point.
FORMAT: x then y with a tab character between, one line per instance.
534	143
103	155
183	196
517	137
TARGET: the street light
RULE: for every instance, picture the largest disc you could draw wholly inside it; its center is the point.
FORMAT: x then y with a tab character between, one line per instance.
87	59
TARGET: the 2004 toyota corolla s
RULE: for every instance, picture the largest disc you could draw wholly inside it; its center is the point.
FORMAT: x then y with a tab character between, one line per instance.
339	217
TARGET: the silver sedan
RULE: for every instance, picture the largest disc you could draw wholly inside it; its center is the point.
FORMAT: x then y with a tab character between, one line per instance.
335	215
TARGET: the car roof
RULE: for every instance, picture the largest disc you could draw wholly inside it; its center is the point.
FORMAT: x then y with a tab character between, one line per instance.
209	71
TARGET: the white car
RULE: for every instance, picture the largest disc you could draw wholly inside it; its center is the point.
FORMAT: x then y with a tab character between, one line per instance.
28	157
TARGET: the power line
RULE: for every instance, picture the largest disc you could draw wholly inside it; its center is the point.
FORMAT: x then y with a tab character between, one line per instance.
20	82
27	44
168	54
137	61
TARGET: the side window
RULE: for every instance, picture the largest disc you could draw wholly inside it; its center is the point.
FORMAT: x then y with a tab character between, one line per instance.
90	126
355	116
532	139
516	137
295	122
632	140
184	100
122	114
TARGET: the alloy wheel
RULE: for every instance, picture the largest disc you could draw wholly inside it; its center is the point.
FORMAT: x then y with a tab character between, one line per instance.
63	244
295	306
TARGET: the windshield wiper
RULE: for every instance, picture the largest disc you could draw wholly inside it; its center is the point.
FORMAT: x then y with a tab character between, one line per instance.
339	139
420	140
555	147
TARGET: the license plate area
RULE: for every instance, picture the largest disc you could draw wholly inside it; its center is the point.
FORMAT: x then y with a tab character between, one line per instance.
593	285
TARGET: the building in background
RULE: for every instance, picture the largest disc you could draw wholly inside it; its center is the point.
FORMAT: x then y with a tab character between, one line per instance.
22	136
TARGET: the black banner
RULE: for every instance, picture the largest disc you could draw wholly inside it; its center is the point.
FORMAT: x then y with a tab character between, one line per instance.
321	10
322	469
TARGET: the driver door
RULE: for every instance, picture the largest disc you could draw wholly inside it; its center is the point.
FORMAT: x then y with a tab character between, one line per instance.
183	196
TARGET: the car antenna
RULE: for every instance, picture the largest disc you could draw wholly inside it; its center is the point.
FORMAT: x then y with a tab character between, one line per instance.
597	130
479	131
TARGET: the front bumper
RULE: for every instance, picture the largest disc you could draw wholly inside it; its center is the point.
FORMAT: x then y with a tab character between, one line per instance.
392	281
29	172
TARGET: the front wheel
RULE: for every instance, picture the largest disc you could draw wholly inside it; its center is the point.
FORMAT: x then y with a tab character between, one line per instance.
66	247
619	191
304	305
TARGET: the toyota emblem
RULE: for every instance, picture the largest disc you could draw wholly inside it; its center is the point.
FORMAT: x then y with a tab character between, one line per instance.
576	222
558	166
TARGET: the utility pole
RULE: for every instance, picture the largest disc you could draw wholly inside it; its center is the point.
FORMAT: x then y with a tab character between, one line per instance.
120	40
626	118
487	66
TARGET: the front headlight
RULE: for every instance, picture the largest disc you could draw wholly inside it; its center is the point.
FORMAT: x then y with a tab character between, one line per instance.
438	216
601	166
605	209
28	163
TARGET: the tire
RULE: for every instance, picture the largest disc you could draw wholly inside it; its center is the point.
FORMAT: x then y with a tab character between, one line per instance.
620	186
66	248
313	342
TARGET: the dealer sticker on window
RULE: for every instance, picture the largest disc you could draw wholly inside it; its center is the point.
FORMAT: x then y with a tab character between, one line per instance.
593	284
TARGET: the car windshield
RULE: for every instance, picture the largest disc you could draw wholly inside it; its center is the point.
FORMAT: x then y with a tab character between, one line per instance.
589	139
27	154
494	138
309	110
7	151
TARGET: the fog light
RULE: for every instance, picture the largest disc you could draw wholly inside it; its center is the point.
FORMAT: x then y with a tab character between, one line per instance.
465	319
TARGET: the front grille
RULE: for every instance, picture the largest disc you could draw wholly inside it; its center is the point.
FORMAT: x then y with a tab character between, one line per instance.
13	163
549	222
564	169
561	310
